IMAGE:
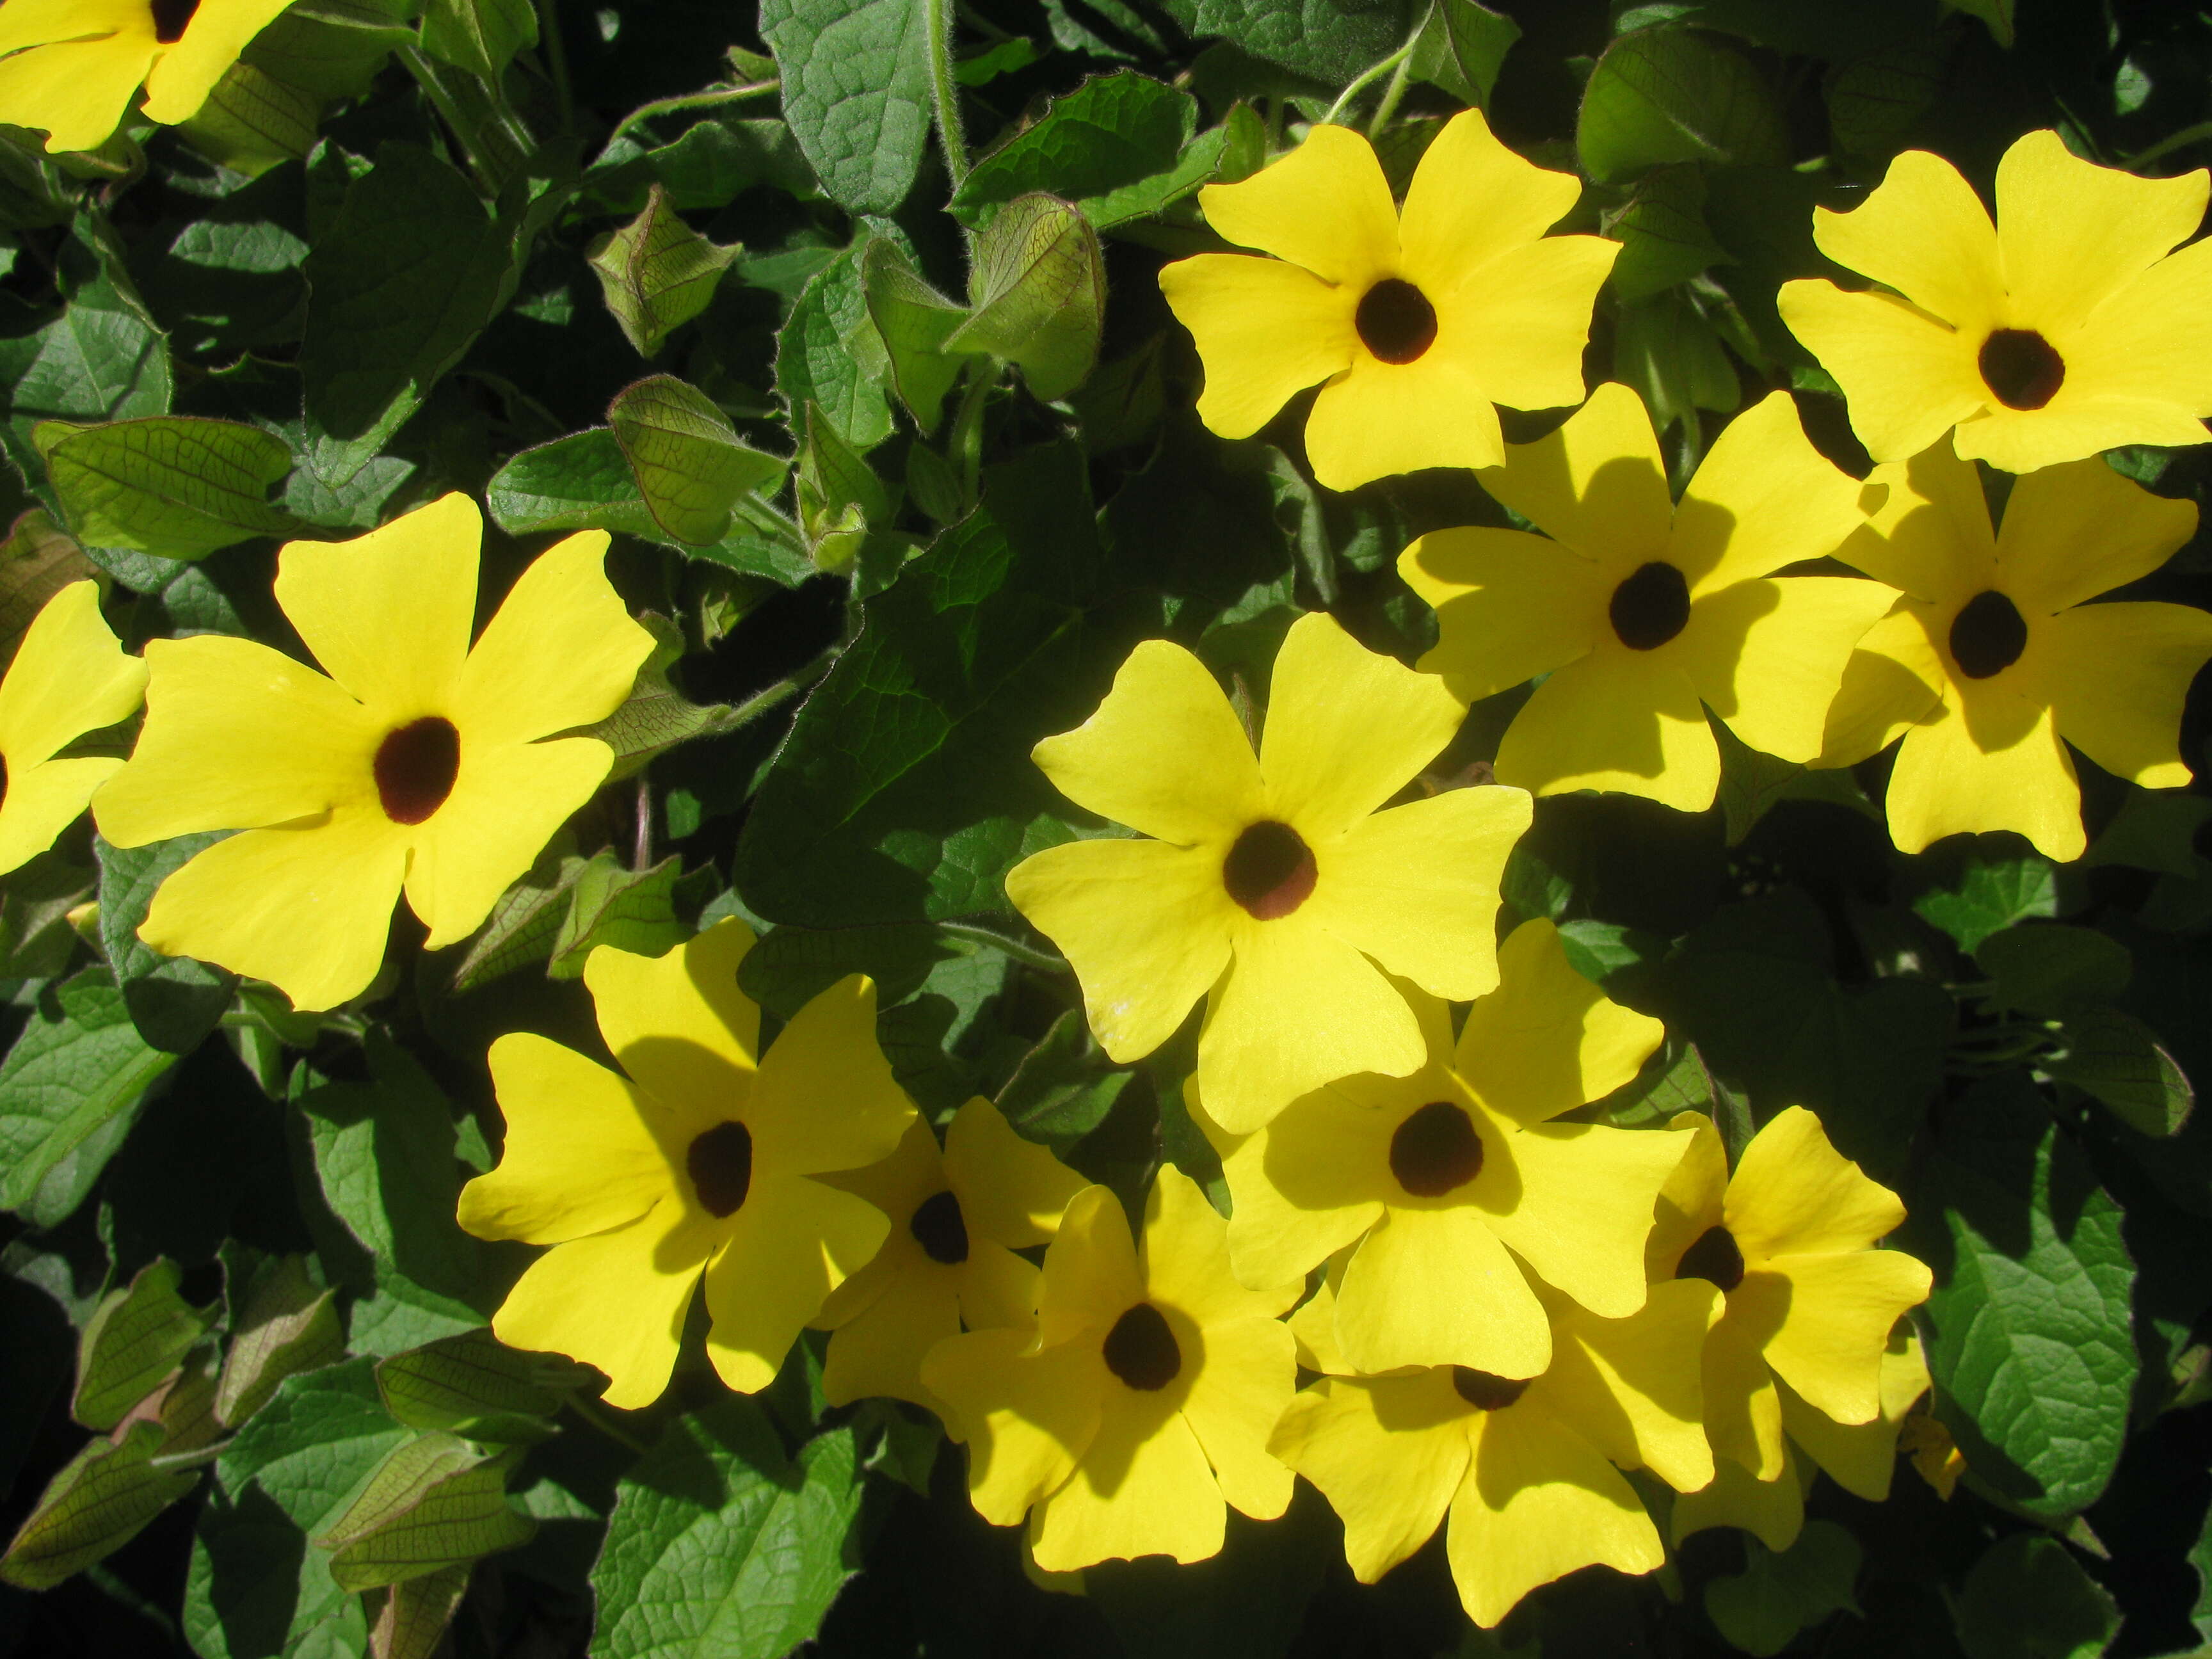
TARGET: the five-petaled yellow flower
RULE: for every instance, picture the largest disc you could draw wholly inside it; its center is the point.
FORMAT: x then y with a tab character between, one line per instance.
1811	1304
1141	1405
69	67
1442	1184
1645	613
1992	663
957	1218
69	677
417	763
1420	321
2067	327
703	1159
1274	888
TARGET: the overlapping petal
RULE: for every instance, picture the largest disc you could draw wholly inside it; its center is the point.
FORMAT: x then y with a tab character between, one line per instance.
2071	235
1265	330
69	677
1512	606
1325	206
1376	418
678	1023
1548	1040
1436	1287
1596	484
561	651
1389	1453
1617	719
824	1098
790	1245
1925	232
2117	677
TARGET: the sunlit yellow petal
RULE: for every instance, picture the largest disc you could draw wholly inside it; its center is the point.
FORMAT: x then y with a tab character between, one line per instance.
880	1351
1861	1457
1584	1207
1143	1488
1945	783
2071	532
1377	418
1632	1387
1743	1413
1837	1320
1618	719
1795	1194
1313	1328
1184	1259
2072	233
1509	606
1548	1040
1924	232
825	1098
1325	206
76	93
1772	1511
997	1289
561	651
1090	1273
1473	199
1011	1190
678	1023
1596	484
1265	330
899	1186
212	41
1517	326
1928	532
507	803
1907	378
38	23
1690	1200
2079	421
2118	676
1892	681
43	800
1304	1186
1769	657
1435	1287
1027	1415
791	1243
1762	498
1388	1453
2151	342
69	677
1249	1372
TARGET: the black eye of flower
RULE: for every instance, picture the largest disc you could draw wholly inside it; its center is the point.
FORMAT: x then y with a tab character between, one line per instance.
1142	1351
171	18
1987	635
1436	1151
1485	1391
720	1165
1715	1257
416	766
2021	367
1650	607
1395	320
941	1230
1270	871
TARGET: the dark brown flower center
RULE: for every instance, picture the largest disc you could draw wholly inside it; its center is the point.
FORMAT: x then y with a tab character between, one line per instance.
1270	871
1486	1391
416	766
1716	1258
170	19
1142	1351
2019	367
941	1229
1988	635
1395	320
4	779
1650	607
1436	1151
720	1165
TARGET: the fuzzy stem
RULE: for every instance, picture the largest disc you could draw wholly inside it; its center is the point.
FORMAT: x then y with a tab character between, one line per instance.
939	18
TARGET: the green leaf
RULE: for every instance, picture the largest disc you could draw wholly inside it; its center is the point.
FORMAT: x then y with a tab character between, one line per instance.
915	321
705	168
1037	294
1987	892
657	272
168	484
523	924
1330	41
855	78
103	359
830	353
2120	1061
839	495
1461	47
719	1547
253	121
1660	96
2027	1598
332	48
581	482
791	966
1876	100
1671	354
415	1614
132	1344
289	1324
630	909
433	1506
2054	970
68	1090
655	717
1662	232
97	1504
474	1386
1761	1609
1064	1087
36	939
480	36
174	1002
2029	1332
1119	147
690	467
1997	14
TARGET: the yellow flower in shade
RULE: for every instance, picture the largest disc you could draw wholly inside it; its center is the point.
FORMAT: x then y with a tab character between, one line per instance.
1444	1183
1523	1468
1274	888
416	763
69	677
700	1156
1646	614
956	1219
1811	1304
1420	321
1141	1403
2067	327
1991	664
69	67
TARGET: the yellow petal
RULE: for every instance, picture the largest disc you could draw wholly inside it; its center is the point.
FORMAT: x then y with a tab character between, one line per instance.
1945	782
1618	719
1265	331
212	41
237	736
791	1243
1143	1487
306	908
1928	532
1839	1311
880	1351
1632	1387
1924	232
1184	1259
1547	1040
1861	1457
1164	754
825	1098
39	22
678	1023
76	93
43	800
1596	484
1304	1186
1028	1413
997	1289
1769	657
1377	418
2118	676
585	1151
1518	325
1387	1452
2078	422
1795	1194
1584	1207
1146	924
1539	1502
615	1300
2071	532
563	651
899	1186
1907	378
1090	1276
2073	233
1313	1328
1743	1413
1011	1190
1435	1287
1762	498
1472	199
1509	606
69	677
2151	342
1892	681
1689	1201
1325	206
1248	1373
506	804
1772	1511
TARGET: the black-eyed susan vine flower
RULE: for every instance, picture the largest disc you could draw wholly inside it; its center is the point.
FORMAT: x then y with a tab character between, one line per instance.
1139	1406
1420	321
70	68
698	1160
1992	663
69	677
1442	1184
419	762
1271	886
957	1218
1811	1303
1645	614
2067	327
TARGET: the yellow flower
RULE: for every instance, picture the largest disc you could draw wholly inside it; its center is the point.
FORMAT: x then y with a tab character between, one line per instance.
1646	614
1522	1468
69	67
1991	663
701	1159
2067	327
1811	1303
1274	888
69	677
1443	1184
1936	1456
1420	321
957	1218
1143	1399
417	762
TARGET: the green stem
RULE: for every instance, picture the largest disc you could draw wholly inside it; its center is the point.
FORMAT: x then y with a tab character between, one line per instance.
965	442
601	1418
1392	94
556	60
645	112
1364	79
1028	955
2171	142
946	91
